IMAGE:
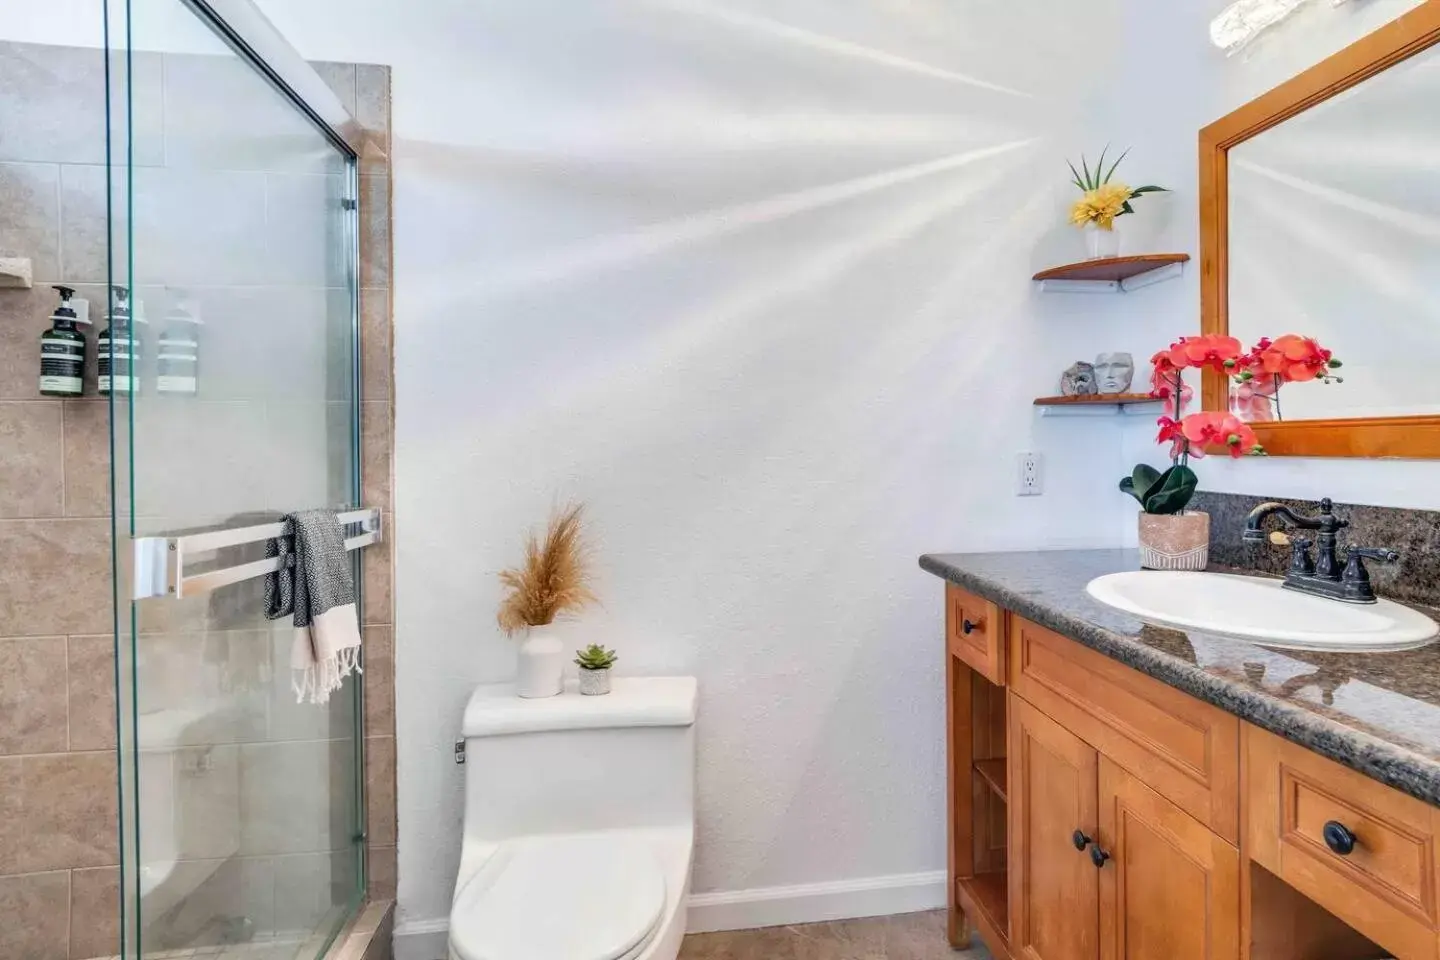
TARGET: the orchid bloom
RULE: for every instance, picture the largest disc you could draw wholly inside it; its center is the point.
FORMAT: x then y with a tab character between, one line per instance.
1293	358
1253	400
1221	430
1216	351
1163	380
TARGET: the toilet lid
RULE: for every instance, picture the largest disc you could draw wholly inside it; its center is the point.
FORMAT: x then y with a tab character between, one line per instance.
560	898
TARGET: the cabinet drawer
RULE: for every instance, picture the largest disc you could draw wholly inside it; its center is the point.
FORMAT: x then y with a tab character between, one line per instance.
975	632
1385	886
1182	748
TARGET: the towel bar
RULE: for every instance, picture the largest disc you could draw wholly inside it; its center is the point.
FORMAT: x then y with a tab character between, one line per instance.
161	562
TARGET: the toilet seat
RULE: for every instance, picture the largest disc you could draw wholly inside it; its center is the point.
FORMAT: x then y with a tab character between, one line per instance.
596	897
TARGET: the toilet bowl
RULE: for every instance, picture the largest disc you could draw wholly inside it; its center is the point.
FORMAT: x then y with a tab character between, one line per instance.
579	824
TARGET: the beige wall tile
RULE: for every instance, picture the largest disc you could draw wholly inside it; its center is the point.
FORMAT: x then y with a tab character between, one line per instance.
32	695
206	792
375	344
286	801
375	454
36	916
66	589
31	465
92	692
24	316
340	78
377	575
379	690
58	811
30	216
87	458
94	913
381	863
374	231
52	103
380	790
372	96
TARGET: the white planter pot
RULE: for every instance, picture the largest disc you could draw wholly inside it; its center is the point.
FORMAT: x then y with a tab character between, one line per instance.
1101	244
542	664
594	683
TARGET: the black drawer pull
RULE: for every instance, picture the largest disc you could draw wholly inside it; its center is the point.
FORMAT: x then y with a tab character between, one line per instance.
1098	856
1338	838
969	626
1079	839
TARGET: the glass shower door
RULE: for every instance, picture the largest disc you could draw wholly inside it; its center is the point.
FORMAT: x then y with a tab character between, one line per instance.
231	365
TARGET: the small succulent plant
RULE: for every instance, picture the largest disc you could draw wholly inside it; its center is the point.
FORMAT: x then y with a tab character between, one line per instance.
595	657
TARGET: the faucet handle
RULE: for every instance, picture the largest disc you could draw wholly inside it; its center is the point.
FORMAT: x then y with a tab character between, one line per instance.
1356	578
1301	562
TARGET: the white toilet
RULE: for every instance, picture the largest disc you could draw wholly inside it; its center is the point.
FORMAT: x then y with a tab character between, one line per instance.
579	823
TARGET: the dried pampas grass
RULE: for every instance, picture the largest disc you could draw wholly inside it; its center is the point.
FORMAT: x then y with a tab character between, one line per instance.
554	580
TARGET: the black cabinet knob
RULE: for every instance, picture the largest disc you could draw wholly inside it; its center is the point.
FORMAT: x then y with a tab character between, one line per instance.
1338	838
1079	839
969	626
1098	856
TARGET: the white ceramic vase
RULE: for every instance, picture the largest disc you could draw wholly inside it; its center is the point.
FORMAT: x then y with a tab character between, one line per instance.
594	683
542	664
1101	244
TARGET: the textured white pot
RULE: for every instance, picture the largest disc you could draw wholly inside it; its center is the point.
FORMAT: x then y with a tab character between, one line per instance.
542	664
1101	244
594	683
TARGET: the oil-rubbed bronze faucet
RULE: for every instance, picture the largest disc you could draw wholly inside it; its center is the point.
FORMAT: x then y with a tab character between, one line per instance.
1320	575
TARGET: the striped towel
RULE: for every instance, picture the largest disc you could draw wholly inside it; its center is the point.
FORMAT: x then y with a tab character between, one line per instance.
314	585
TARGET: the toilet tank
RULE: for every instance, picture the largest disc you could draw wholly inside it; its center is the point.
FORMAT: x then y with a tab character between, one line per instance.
575	763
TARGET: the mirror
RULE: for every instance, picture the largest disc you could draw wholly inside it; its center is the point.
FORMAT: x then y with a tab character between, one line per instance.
1320	213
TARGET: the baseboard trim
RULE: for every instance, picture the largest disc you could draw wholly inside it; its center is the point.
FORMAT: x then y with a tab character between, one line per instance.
816	902
744	909
423	939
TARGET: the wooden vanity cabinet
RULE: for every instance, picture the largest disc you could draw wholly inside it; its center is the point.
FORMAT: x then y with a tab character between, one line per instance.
1097	813
1103	866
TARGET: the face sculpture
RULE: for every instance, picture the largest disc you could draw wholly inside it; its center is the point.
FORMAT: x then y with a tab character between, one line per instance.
1079	380
1114	372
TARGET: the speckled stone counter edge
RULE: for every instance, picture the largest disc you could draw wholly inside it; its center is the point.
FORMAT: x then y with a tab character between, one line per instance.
1383	761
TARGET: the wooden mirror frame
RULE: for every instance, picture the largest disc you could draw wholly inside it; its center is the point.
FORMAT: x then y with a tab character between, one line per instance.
1402	38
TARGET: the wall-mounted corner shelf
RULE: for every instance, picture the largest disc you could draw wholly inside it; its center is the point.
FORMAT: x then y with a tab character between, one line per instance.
1100	405
1113	274
15	272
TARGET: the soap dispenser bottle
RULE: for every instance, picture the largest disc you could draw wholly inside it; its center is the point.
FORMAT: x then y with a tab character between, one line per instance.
177	359
62	351
117	348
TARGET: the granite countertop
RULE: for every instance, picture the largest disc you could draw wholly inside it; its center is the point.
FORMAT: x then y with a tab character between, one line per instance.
1377	712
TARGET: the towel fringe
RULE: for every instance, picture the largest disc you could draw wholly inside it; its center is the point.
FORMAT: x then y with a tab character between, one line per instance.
316	682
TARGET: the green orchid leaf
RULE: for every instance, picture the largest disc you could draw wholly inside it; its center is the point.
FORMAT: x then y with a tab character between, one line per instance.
1075	181
1143	478
1172	492
1148	189
1115	166
1127	485
1086	167
1100	166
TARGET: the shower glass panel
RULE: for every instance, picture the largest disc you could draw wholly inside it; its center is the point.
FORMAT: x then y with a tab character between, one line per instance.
232	365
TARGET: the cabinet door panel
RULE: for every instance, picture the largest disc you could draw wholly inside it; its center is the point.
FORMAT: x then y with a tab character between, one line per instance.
1054	888
1171	888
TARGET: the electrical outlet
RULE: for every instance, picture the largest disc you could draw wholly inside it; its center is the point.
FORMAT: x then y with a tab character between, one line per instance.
1029	476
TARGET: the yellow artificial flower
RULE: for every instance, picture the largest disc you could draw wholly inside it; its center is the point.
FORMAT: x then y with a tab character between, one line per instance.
1101	206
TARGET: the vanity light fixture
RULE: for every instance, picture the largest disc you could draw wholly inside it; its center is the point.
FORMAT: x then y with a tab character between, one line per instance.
1244	20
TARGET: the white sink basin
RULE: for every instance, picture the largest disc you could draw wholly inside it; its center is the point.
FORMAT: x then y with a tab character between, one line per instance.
1259	610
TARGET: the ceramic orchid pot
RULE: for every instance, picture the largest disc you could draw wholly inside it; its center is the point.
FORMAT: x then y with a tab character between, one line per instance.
1178	541
542	664
1101	243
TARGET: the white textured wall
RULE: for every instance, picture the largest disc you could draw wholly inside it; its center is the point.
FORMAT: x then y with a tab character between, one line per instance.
1200	86
752	280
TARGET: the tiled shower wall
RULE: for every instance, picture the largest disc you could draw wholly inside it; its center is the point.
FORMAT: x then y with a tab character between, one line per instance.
58	832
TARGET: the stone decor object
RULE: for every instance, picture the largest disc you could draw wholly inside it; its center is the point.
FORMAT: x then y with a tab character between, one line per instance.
1114	372
1079	380
1175	541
